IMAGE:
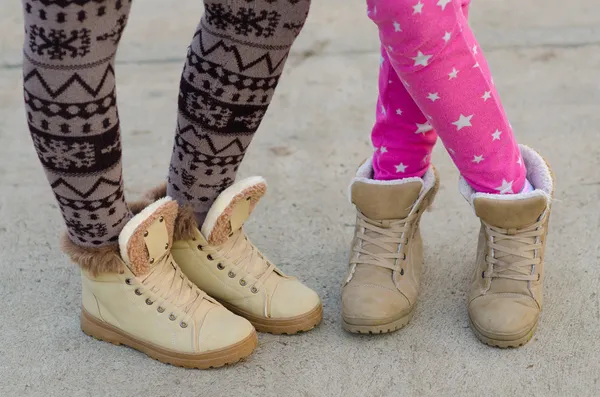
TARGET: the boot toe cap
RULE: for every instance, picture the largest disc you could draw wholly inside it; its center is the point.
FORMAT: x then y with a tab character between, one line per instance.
221	329
291	298
504	316
369	304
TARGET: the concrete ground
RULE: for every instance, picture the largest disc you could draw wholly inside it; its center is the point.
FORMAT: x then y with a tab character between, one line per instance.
546	58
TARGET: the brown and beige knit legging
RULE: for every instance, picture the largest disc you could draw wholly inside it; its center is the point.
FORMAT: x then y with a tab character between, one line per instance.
232	68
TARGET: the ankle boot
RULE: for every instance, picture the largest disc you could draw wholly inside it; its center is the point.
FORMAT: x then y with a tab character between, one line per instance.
220	259
505	300
382	285
136	295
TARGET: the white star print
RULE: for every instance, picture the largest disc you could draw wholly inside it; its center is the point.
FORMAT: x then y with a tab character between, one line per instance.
397	27
401	168
383	149
463	121
390	48
486	95
478	159
383	110
423	128
475	49
506	187
447	36
421	59
476	65
453	74
424	161
399	112
418	8
443	3
496	135
451	151
433	96
519	161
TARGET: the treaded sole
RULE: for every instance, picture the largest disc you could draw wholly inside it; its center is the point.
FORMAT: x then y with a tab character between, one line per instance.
379	329
288	326
503	344
213	359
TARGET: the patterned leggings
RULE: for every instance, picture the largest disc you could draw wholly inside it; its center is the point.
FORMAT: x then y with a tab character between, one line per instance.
434	80
232	68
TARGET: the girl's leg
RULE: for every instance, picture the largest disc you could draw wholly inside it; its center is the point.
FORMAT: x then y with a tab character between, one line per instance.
71	106
233	66
432	49
402	136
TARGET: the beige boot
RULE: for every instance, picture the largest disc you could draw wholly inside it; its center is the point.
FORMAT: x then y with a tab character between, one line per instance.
505	301
382	285
223	262
141	298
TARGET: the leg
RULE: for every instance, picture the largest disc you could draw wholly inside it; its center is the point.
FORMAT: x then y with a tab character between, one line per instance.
70	99
233	65
432	49
402	135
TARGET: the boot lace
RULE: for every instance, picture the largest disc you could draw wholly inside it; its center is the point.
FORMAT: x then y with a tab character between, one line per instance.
169	283
387	235
522	243
246	259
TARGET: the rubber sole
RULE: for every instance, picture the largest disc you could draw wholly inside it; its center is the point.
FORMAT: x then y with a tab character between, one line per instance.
288	326
213	359
503	344
378	329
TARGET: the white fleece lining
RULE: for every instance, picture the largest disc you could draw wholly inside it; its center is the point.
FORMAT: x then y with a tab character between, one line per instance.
538	174
365	174
135	222
224	199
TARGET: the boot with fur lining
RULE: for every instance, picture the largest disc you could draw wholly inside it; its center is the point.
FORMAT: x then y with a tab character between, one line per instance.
136	295
219	258
505	300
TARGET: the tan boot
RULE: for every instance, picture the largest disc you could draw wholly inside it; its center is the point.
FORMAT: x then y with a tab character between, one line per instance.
382	285
505	301
141	298
223	262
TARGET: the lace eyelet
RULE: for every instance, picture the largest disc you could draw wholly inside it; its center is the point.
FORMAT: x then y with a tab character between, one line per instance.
183	324
160	309
167	246
151	260
128	281
403	257
402	271
209	257
146	233
482	274
254	290
199	247
248	198
161	219
539	277
138	292
220	266
231	274
172	317
149	302
242	282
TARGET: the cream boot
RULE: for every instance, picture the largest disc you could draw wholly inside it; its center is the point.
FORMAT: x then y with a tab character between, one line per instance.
222	261
141	298
505	301
382	285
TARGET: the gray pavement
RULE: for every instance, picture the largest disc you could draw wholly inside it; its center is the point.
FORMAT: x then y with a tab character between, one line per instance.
545	55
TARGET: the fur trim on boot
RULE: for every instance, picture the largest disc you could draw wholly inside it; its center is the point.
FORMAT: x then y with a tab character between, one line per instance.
93	260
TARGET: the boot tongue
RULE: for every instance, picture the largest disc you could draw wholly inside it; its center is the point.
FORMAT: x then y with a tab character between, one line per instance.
383	202
148	236
232	208
507	213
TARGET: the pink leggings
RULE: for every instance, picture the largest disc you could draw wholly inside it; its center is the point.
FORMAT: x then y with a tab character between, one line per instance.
434	80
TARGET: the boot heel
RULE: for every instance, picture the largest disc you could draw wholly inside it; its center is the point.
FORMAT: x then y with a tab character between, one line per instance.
92	327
